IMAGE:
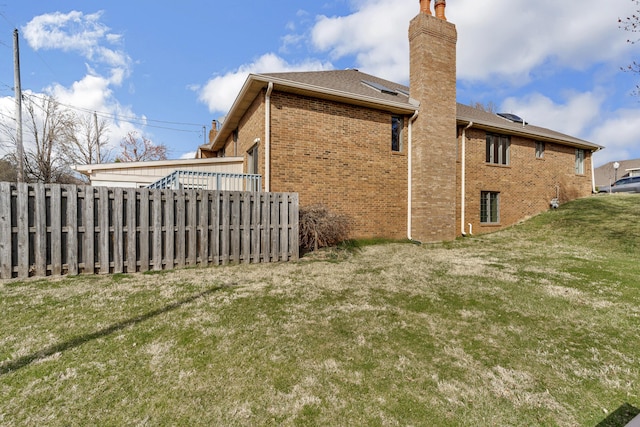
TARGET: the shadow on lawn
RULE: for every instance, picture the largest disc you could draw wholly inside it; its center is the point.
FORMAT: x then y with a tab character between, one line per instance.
21	362
620	417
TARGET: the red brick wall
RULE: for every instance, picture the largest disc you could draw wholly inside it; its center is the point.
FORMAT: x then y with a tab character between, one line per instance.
526	186
340	155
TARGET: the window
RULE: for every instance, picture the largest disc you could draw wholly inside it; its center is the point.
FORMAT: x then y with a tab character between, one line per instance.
498	149
397	124
489	207
539	150
252	160
579	161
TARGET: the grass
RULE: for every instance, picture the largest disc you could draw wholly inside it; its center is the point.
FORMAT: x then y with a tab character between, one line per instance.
533	325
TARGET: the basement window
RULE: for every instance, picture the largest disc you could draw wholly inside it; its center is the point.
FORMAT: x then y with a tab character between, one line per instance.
489	207
397	125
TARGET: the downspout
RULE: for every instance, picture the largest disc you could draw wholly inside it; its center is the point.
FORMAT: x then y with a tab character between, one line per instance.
463	178
410	173
593	176
267	139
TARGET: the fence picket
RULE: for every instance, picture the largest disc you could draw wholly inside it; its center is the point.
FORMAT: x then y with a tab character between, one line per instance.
204	227
88	254
225	218
118	230
6	250
53	229
72	229
131	230
40	229
191	226
142	230
157	229
169	229
22	216
104	237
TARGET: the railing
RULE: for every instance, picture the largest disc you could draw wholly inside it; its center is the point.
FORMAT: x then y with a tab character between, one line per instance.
195	180
51	230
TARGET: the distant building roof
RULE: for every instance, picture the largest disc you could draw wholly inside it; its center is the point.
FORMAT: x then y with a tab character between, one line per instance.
606	174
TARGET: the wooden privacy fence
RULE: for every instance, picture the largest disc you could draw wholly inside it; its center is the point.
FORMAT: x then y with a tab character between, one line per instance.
66	229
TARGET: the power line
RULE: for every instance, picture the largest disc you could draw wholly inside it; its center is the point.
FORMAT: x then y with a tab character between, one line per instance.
131	119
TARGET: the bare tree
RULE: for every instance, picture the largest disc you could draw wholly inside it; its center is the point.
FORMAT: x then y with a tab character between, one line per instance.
489	107
632	24
85	142
47	124
141	149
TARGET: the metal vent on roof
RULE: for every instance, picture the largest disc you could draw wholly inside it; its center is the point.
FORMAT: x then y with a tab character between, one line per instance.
380	87
512	118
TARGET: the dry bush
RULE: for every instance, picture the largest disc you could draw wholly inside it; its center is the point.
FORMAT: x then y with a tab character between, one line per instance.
320	227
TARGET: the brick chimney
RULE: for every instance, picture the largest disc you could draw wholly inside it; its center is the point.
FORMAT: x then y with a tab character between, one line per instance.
432	82
441	5
213	132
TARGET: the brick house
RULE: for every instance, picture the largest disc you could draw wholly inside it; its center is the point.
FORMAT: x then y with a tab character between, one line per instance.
403	162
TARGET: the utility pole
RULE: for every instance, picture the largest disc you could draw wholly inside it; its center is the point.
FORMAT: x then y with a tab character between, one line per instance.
18	94
95	121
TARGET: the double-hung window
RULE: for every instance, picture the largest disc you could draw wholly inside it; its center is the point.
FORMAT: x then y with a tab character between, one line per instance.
498	149
489	207
579	161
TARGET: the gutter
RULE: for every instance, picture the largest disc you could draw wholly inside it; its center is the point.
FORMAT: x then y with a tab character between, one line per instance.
463	174
410	175
267	139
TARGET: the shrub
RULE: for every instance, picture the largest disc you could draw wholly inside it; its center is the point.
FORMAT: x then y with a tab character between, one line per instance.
320	227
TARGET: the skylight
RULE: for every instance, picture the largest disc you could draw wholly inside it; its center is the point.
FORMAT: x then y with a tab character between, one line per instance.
512	118
380	87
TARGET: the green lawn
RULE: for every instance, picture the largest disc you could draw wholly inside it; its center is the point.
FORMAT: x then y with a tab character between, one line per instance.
534	325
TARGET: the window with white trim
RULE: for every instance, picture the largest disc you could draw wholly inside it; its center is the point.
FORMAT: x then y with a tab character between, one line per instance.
489	207
498	149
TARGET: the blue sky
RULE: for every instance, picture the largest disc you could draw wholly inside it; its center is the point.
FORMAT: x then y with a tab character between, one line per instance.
167	69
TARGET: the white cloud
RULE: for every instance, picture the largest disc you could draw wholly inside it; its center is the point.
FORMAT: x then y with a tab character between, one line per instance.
504	39
220	92
76	32
574	117
509	38
619	134
376	35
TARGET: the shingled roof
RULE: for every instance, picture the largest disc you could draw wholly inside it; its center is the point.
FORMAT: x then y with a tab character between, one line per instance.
354	87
